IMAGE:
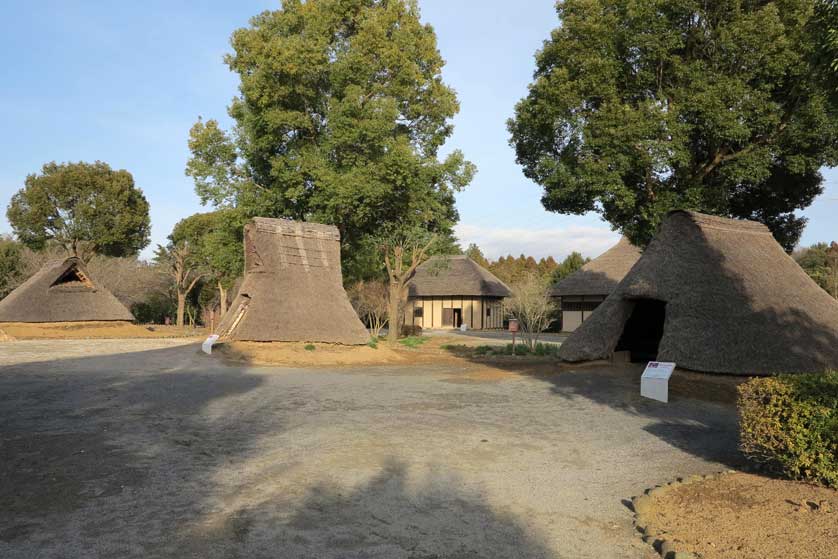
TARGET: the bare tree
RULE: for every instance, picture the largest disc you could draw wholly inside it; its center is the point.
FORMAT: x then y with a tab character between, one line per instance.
371	302
403	252
532	306
183	269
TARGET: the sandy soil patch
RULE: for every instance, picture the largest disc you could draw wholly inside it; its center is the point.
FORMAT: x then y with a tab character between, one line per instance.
10	331
296	354
748	517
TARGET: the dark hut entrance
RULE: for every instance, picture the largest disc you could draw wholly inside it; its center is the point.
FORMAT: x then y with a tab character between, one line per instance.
643	330
452	317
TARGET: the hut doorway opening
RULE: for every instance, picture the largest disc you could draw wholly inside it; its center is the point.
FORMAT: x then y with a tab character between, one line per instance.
643	330
458	318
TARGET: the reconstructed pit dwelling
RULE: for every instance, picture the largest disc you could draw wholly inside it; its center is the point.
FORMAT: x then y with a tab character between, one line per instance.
714	295
293	287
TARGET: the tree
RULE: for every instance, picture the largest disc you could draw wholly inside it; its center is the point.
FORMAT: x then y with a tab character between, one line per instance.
820	261
340	118
183	258
371	301
532	306
573	262
87	208
640	107
11	265
473	251
403	251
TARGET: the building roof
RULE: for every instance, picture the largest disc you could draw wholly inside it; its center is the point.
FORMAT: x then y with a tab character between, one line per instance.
601	275
293	287
735	302
62	291
455	275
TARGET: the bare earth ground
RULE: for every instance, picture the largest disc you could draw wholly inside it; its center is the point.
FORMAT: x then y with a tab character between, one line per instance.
91	330
749	517
148	448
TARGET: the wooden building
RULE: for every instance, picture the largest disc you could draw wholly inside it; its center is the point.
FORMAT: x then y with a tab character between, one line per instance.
449	291
582	292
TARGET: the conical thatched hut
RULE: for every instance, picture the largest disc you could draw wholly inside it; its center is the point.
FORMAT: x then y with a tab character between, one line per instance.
715	295
583	291
448	291
62	291
293	287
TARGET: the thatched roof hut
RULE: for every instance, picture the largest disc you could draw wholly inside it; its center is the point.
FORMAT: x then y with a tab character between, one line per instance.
715	295
451	290
293	287
62	291
583	291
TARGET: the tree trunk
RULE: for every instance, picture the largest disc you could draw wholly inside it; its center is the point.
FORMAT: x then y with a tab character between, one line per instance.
181	307
393	312
222	297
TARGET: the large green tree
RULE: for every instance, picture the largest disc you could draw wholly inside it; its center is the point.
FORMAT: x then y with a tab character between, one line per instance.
641	106
340	117
87	208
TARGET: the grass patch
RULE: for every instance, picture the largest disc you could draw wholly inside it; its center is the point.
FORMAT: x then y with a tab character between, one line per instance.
413	341
309	347
540	350
373	343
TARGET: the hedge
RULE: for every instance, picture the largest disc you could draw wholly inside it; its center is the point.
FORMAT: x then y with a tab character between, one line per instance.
789	423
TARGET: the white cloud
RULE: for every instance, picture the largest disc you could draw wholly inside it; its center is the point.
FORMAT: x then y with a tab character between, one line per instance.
557	242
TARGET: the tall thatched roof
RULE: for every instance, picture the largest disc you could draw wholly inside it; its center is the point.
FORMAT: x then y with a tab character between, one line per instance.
601	275
455	275
293	287
735	302
62	291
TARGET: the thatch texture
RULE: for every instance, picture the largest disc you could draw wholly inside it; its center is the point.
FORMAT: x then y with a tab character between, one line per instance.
455	275
293	287
735	302
62	291
601	275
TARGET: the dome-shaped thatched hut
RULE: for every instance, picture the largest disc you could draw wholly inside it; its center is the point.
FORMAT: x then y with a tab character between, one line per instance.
715	295
62	291
293	287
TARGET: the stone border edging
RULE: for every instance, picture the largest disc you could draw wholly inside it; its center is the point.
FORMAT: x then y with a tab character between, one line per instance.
652	535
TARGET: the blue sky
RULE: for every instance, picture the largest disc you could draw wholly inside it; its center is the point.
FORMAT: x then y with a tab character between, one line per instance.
123	83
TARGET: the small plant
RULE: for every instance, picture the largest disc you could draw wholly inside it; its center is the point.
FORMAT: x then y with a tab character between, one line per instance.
789	423
373	343
483	350
309	347
413	341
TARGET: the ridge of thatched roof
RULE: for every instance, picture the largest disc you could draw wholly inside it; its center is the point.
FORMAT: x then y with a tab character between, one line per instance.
62	291
602	274
735	302
455	275
293	287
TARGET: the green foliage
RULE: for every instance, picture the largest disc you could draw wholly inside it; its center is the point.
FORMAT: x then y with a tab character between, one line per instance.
85	207
373	343
820	261
790	423
340	118
513	270
413	341
540	349
641	106
309	347
572	263
154	309
473	251
11	265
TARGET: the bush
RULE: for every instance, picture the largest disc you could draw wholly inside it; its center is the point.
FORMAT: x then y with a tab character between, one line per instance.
790	424
373	343
309	347
411	330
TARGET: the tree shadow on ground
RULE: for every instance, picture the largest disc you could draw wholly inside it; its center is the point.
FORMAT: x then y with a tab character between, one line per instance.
389	516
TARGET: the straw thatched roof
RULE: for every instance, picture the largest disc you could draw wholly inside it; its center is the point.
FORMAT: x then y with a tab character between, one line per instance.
601	275
293	287
735	302
455	275
62	291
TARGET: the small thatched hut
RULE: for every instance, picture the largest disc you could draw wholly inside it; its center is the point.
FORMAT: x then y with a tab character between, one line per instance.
448	291
293	287
715	295
62	291
580	293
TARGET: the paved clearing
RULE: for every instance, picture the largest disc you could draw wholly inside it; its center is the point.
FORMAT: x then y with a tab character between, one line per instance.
146	448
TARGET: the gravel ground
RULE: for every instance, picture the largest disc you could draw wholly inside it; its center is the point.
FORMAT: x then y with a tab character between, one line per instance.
146	448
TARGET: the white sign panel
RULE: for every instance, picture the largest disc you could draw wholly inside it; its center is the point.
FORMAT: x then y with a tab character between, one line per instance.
654	383
206	347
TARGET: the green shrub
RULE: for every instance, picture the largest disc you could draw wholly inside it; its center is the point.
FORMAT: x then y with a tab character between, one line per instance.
790	424
373	343
413	341
309	347
482	350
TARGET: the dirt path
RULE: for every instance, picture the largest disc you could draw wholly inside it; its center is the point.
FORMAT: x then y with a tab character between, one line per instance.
146	448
